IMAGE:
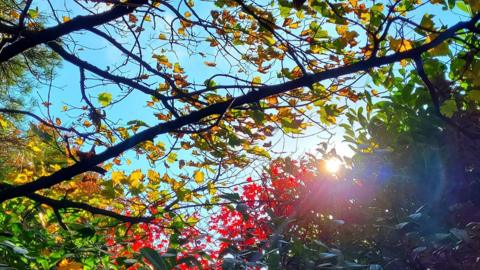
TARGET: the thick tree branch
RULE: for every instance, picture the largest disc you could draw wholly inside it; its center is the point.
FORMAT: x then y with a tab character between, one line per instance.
65	204
30	39
219	108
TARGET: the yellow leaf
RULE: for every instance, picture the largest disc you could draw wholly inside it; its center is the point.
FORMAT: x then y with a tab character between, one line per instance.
163	87
341	29
162	37
400	45
187	14
192	220
21	178
66	19
199	177
300	14
55	167
136	178
256	81
177	68
148	18
162	60
118	177
3	123
34	147
269	39
365	16
294	25
153	176
172	157
212	190
378	8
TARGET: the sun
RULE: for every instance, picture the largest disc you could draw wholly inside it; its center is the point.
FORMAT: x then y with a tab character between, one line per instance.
332	165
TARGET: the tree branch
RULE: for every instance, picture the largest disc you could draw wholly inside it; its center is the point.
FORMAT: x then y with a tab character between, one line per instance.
65	204
436	101
118	79
31	39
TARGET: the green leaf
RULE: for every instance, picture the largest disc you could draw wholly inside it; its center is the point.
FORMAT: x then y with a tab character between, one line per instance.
233	197
33	13
474	95
155	259
259	151
105	98
427	22
137	123
448	108
464	7
210	83
257	116
285	8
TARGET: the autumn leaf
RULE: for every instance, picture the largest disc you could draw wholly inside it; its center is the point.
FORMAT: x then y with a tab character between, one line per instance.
210	64
272	100
118	177
199	177
132	18
400	45
177	68
341	29
67	264
172	157
162	37
162	60
105	98
153	176
136	178
186	145
256	81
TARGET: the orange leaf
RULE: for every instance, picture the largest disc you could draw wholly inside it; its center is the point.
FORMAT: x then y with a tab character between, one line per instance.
210	64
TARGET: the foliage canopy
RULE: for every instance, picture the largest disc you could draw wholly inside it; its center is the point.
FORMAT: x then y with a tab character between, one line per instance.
162	111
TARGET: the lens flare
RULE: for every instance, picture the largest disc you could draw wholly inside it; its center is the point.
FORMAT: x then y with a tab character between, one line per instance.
332	165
